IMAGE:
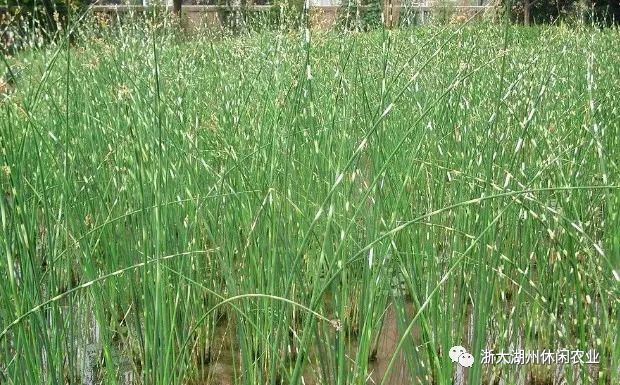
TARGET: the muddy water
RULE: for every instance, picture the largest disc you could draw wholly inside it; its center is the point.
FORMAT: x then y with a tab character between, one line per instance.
221	369
388	340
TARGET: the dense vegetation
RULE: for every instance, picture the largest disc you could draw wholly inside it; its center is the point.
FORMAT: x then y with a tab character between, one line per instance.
289	189
599	12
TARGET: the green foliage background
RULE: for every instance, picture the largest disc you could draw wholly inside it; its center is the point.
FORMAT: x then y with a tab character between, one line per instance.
605	12
369	15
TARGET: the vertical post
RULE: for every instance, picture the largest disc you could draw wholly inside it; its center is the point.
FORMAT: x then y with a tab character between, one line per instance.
526	12
393	8
387	13
358	15
176	7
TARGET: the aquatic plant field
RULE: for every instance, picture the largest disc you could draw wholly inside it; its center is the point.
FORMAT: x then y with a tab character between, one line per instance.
311	207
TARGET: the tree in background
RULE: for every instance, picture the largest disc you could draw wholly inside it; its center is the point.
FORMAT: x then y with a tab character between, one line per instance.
548	11
33	22
49	14
360	15
606	11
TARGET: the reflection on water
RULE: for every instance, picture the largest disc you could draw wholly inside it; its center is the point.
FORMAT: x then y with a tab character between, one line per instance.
224	355
223	362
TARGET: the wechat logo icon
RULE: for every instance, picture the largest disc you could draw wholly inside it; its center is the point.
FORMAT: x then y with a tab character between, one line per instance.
459	354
